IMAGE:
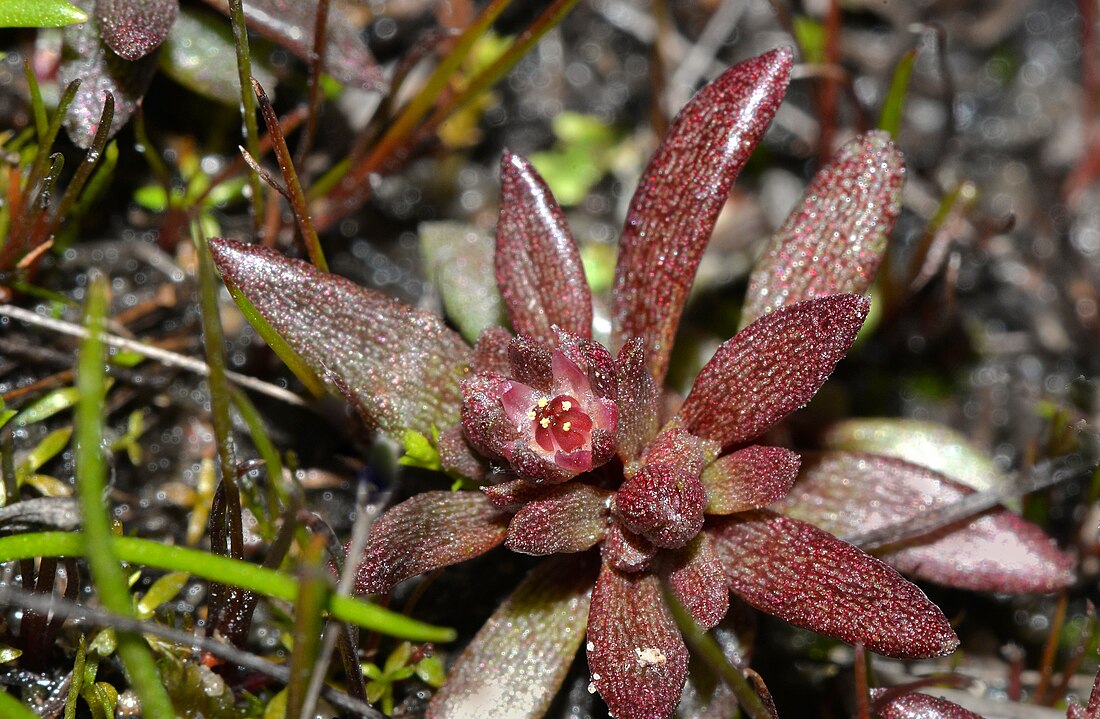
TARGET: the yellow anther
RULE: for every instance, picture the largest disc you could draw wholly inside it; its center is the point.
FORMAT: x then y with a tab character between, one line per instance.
543	402
530	414
566	405
565	427
545	422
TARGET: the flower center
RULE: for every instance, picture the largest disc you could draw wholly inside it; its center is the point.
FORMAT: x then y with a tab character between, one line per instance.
560	424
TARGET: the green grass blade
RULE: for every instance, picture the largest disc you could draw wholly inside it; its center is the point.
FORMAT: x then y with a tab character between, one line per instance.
40	13
12	708
894	105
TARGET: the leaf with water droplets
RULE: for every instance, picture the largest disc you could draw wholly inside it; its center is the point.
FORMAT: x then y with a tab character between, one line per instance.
923	706
771	368
514	666
428	531
834	241
699	582
750	478
400	366
636	655
134	28
568	517
40	13
848	493
811	579
538	266
685	186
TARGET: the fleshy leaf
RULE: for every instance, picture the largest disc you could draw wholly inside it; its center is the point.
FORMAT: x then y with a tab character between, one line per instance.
402	366
771	368
86	57
134	28
538	266
514	666
426	532
928	444
923	706
683	189
638	398
636	655
459	259
749	478
811	579
199	54
700	583
569	517
290	23
40	13
848	493
839	230
626	551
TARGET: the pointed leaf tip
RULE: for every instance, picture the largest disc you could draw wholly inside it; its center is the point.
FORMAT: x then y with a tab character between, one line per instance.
771	368
134	28
538	265
400	366
834	241
682	191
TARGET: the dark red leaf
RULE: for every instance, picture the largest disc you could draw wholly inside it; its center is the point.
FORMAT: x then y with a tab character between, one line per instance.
85	57
771	368
402	365
626	551
749	478
811	579
699	582
290	23
567	518
426	532
923	706
638	398
834	241
538	266
514	666
681	193
849	493
636	655
134	28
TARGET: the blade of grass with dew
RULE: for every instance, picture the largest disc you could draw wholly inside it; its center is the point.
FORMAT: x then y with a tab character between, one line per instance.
239	573
38	107
107	575
248	104
40	13
894	105
273	463
45	143
84	171
315	588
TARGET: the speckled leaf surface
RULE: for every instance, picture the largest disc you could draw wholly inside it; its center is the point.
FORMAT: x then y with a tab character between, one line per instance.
85	57
200	55
638	398
514	666
459	259
847	493
402	365
839	230
290	23
538	266
566	518
923	706
771	368
683	189
811	579
134	28
699	582
636	655
750	478
925	443
425	532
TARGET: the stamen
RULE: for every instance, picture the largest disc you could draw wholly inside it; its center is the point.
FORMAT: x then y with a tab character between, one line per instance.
544	422
566	406
565	427
531	414
543	402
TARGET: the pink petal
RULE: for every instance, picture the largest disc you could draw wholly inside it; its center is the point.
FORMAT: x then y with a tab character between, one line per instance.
638	400
749	478
699	582
771	368
514	666
538	265
428	531
849	493
569	517
681	193
923	706
811	579
134	28
636	655
401	364
834	241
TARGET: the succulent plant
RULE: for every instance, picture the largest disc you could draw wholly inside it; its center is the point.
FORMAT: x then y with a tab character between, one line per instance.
581	452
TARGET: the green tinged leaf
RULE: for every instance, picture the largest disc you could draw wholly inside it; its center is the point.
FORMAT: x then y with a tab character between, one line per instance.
420	451
459	260
40	13
43	452
48	405
161	591
810	36
894	105
9	654
582	155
